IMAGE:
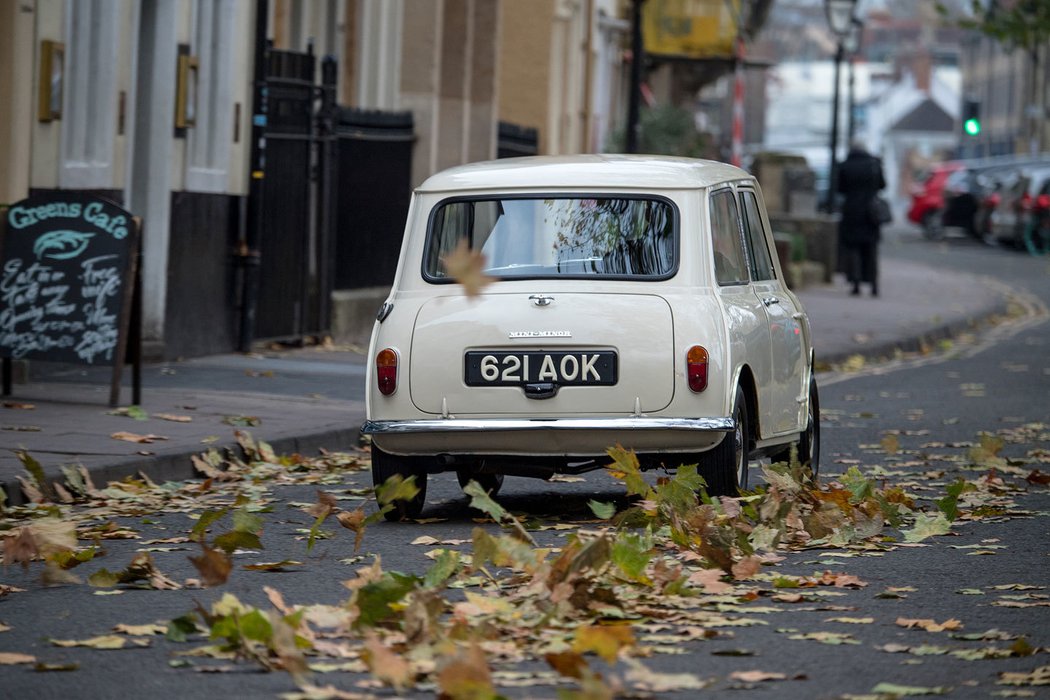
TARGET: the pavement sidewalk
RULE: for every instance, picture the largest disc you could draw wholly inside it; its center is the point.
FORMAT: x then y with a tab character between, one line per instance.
308	399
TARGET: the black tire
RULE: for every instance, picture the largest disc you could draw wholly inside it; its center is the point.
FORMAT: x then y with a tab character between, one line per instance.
933	225
384	466
727	464
490	483
809	441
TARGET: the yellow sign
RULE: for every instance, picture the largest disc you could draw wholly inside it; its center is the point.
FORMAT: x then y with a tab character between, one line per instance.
690	28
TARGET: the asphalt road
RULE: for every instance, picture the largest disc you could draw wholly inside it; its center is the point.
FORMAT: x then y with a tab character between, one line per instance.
912	421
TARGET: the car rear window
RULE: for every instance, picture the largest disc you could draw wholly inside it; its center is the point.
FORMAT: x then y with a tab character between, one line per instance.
557	236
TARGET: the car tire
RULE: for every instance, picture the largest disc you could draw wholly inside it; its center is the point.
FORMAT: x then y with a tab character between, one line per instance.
386	465
727	463
809	441
490	483
933	225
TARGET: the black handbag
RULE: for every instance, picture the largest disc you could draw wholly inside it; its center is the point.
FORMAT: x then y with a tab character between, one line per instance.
880	212
879	209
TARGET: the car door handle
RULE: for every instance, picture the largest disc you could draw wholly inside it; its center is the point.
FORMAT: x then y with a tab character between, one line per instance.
769	301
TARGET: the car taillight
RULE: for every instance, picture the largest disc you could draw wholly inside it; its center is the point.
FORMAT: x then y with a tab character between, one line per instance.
993	200
1042	201
696	368
386	371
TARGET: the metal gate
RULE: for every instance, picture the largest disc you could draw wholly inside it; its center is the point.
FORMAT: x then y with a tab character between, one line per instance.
295	236
375	175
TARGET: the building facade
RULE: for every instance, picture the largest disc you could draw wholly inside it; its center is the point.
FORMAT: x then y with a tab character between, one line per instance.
151	104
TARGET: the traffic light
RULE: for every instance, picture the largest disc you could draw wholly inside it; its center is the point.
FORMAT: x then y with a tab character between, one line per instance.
971	117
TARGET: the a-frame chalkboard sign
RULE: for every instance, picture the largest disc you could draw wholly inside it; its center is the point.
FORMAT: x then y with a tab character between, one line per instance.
70	287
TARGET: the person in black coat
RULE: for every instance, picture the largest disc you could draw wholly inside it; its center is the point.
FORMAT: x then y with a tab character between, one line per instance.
860	178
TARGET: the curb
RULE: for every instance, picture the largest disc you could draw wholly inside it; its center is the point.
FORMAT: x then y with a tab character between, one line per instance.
177	464
920	342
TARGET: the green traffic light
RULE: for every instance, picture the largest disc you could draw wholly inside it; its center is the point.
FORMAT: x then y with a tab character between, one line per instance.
972	127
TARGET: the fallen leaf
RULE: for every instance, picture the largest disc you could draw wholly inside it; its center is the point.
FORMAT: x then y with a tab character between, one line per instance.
893	689
141	630
140	439
756	676
384	664
242	421
10	658
604	640
214	565
272	565
1038	477
467	675
173	417
928	624
852	620
711	580
43	667
106	641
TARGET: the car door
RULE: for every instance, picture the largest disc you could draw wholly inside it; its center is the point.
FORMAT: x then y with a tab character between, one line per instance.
783	320
744	312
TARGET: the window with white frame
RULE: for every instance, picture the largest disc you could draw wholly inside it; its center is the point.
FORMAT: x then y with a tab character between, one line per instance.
208	141
90	100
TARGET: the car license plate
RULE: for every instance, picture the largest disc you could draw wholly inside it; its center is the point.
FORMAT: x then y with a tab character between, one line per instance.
564	368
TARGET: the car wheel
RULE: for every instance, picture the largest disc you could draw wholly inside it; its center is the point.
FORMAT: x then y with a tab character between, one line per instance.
727	464
932	225
384	466
490	483
809	442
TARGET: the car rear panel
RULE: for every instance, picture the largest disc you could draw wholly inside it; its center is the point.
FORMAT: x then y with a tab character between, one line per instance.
568	338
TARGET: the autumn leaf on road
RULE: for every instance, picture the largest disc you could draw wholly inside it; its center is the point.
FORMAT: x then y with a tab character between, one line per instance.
929	625
140	439
467	675
174	418
8	658
604	640
467	267
756	676
385	664
214	565
927	526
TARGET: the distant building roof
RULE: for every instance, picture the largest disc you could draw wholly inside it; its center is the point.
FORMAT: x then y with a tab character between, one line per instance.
926	116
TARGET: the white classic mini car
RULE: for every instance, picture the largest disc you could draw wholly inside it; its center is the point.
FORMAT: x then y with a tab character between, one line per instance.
631	300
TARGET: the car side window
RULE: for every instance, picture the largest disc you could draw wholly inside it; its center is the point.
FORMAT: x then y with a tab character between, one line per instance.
730	265
760	261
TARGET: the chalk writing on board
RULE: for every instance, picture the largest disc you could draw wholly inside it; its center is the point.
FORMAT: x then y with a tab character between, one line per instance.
62	279
37	303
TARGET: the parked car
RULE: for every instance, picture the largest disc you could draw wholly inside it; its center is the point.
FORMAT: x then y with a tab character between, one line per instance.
1021	220
927	202
634	300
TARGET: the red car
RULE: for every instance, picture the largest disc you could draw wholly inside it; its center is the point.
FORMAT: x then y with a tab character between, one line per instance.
928	198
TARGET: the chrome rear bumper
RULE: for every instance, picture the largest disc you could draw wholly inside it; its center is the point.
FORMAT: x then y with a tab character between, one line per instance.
504	425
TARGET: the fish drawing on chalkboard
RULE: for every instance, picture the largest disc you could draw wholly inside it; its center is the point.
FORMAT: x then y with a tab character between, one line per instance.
61	245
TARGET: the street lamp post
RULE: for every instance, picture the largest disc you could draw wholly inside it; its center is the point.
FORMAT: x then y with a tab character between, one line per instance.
840	19
852	47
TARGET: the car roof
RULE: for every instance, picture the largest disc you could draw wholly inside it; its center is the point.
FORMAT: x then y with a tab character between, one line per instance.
584	171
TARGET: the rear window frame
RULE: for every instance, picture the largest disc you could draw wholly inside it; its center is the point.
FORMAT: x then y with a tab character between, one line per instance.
676	225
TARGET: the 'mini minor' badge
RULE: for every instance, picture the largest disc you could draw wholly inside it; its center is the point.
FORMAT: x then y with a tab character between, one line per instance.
513	335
